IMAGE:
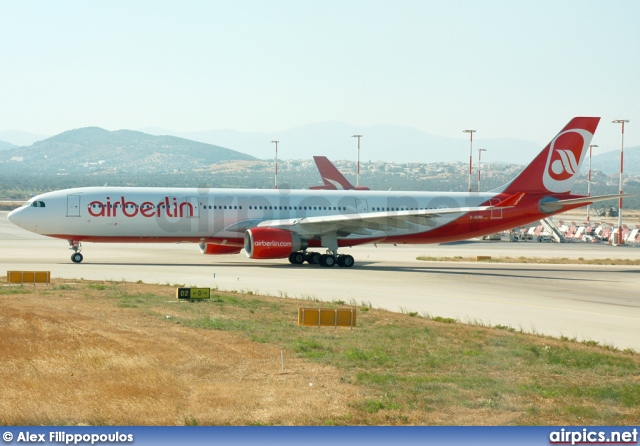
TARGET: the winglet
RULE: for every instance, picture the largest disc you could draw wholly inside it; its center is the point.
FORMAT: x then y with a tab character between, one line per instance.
512	201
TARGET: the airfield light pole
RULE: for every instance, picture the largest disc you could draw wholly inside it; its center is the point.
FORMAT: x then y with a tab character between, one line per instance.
480	165
358	168
276	178
589	183
470	132
620	240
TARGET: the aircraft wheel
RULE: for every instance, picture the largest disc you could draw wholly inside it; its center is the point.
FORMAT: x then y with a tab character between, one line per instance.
327	260
296	258
313	258
346	261
76	257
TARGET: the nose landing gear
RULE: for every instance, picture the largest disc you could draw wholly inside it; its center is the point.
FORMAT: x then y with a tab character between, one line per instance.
75	245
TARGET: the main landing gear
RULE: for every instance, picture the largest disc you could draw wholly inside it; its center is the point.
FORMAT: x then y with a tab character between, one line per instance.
327	260
75	245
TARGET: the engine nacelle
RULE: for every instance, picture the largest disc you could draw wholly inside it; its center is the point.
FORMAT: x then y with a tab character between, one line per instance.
271	243
215	250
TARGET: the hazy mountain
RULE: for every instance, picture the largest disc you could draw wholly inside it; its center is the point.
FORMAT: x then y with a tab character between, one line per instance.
101	149
380	142
20	138
6	145
609	162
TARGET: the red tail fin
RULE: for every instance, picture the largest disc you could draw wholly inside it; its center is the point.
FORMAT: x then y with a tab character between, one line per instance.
331	176
555	169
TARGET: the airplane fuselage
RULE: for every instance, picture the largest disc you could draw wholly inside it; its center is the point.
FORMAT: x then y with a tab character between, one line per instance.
125	214
282	223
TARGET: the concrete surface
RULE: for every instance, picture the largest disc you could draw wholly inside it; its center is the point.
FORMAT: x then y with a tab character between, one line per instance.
588	302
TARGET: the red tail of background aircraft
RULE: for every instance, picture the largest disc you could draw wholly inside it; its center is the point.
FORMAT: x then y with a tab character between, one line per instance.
333	179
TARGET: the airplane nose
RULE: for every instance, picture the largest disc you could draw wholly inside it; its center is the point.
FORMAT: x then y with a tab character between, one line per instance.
14	217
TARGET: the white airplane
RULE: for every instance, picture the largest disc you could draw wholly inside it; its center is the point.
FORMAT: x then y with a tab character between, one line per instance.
273	224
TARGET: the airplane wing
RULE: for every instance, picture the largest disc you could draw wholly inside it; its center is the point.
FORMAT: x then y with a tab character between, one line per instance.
363	224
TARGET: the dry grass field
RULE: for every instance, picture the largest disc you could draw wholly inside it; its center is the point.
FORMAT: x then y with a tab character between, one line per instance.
70	358
105	353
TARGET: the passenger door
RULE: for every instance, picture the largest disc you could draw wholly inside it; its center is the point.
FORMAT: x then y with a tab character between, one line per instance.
73	205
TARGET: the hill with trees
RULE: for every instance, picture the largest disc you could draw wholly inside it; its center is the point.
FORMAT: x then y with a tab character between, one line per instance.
93	149
4	145
609	162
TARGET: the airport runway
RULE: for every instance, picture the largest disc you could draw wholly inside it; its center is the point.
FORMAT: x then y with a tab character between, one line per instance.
591	302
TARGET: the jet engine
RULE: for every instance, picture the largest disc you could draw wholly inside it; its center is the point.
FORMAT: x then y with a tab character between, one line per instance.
213	249
271	243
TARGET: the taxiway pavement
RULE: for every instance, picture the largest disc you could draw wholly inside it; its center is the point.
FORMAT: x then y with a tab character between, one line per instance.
586	302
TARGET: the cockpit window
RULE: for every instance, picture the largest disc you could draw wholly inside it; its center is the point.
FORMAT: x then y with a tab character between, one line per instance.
37	204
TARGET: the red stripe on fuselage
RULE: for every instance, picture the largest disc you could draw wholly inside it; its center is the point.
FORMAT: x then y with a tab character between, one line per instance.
467	226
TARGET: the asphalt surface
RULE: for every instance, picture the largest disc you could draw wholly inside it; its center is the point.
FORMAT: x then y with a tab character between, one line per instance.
586	302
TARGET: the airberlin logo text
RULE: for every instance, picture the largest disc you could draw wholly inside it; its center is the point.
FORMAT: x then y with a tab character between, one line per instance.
272	244
169	207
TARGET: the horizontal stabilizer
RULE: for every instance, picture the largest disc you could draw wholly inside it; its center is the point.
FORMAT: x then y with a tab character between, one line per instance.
553	206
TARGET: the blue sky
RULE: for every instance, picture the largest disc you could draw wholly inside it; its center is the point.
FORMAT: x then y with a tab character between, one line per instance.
505	68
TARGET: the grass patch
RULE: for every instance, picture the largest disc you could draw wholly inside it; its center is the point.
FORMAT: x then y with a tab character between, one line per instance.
409	370
99	286
538	260
446	320
416	365
210	323
9	290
